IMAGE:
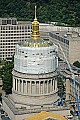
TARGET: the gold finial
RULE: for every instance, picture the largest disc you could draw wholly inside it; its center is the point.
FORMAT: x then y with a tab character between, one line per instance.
35	35
35	14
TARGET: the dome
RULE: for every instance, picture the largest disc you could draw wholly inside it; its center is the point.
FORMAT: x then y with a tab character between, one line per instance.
35	55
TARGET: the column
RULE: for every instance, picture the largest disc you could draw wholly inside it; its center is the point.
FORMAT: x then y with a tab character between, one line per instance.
47	86
26	87
53	85
22	86
43	87
13	83
35	87
30	87
16	84
19	85
56	85
39	87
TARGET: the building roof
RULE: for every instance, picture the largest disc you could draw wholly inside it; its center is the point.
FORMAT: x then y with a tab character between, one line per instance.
69	35
46	116
23	22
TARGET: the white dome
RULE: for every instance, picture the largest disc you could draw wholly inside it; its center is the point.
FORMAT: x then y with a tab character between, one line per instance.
35	60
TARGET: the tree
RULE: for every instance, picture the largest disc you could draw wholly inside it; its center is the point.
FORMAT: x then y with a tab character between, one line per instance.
6	72
62	11
77	64
61	87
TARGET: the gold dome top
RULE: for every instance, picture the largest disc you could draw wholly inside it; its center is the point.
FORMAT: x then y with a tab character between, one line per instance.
35	35
35	40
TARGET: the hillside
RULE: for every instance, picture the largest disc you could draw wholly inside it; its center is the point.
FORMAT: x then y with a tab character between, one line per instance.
62	11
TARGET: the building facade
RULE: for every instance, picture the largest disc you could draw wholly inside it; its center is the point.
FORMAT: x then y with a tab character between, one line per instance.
69	41
12	32
69	84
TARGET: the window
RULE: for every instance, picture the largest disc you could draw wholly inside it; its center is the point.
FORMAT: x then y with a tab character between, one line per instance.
28	27
4	22
8	21
26	56
14	22
37	54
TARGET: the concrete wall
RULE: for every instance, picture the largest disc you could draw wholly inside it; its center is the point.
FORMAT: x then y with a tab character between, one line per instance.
74	50
51	27
23	116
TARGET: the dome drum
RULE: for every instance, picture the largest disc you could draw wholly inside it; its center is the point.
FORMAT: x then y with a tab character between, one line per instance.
35	60
34	85
34	90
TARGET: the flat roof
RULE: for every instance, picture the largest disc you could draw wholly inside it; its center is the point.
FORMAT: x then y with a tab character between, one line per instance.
69	35
23	22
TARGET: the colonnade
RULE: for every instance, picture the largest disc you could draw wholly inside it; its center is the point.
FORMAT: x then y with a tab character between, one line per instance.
34	87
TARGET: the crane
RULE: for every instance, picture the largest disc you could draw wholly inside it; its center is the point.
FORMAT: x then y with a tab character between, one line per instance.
74	80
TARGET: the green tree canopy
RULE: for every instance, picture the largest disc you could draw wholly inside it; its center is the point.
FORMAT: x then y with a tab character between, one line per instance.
62	11
61	87
6	74
77	64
